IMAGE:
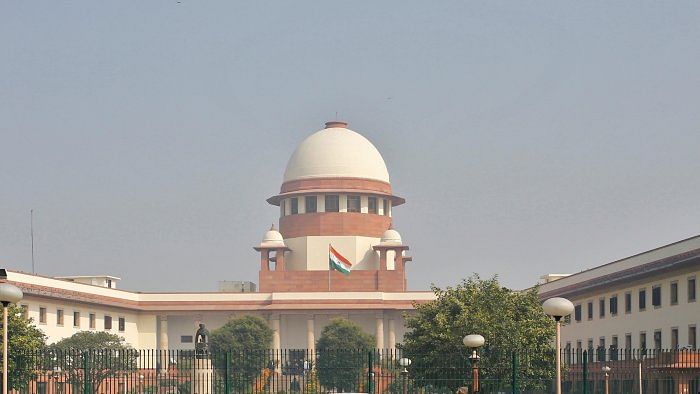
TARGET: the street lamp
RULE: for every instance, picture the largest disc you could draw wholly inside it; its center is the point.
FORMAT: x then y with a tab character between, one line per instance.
9	294
404	363
606	369
558	307
474	341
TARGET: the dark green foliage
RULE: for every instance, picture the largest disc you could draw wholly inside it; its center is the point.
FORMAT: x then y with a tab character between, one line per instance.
247	339
23	338
508	320
339	368
106	355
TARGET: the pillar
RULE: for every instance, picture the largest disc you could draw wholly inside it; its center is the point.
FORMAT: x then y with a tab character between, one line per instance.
392	336
264	259
279	260
380	331
398	259
382	259
276	342
310	334
163	343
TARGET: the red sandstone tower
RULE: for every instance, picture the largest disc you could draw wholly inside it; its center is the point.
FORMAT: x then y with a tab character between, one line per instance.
336	190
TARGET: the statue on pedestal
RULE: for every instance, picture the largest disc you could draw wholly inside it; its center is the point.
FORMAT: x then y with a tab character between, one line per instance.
201	342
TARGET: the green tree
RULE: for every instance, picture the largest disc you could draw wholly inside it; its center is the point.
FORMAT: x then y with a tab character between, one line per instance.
106	356
247	340
25	341
508	320
342	355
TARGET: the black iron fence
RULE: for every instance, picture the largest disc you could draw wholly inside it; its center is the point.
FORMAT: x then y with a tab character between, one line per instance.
304	371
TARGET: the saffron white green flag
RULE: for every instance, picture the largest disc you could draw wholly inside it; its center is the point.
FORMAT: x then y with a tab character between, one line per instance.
337	262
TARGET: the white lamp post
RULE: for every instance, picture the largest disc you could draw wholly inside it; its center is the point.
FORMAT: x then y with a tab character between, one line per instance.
404	363
9	294
557	308
474	341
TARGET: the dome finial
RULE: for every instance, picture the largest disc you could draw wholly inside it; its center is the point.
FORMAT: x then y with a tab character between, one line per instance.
272	228
337	124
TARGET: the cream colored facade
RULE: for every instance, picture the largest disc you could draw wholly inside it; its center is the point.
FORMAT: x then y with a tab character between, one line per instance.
169	320
607	300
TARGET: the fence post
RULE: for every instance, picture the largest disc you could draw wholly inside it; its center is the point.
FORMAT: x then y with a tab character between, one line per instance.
227	372
370	380
514	382
585	372
86	373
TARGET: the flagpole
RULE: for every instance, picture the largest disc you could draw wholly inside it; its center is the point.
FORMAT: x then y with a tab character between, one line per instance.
329	268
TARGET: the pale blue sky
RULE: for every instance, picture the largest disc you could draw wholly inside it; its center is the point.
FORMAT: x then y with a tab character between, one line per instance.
527	137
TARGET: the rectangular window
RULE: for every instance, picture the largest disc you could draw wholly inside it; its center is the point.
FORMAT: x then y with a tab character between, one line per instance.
386	207
76	319
42	315
692	339
601	308
122	324
25	312
657	339
108	322
674	293
642	299
295	205
674	338
691	289
282	211
59	317
628	341
590	311
613	305
642	340
353	203
332	203
614	343
109	283
577	312
656	296
590	345
310	204
372	205
578	344
92	323
186	339
628	302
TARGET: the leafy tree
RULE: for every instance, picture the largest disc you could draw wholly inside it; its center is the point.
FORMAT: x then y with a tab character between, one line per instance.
106	355
24	342
342	355
247	339
508	320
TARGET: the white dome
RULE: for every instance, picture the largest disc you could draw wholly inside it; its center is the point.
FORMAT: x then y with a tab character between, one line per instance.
272	238
336	151
391	236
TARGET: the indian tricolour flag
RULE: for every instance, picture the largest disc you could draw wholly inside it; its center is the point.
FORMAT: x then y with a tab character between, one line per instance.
337	262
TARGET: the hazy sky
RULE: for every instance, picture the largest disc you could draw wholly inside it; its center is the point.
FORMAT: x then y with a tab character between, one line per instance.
526	137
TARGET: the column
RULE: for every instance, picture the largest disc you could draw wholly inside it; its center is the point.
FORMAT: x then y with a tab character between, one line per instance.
279	260
392	336
382	259
276	342
264	259
380	331
310	334
163	343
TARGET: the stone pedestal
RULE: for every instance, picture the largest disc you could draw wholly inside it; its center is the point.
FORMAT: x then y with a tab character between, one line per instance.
202	377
